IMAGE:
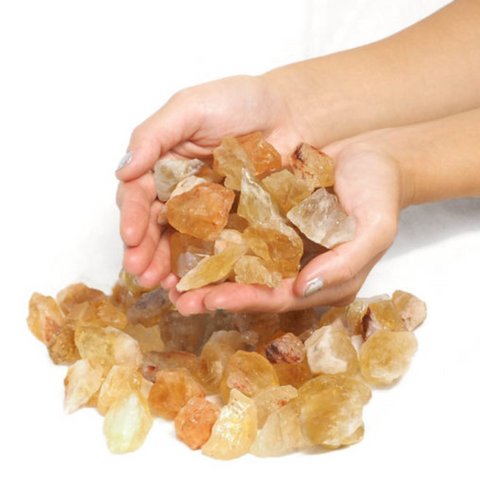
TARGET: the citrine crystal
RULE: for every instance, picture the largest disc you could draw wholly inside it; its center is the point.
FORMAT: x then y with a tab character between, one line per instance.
386	356
382	315
75	294
150	308
194	422
127	423
102	313
285	349
172	389
235	429
322	220
202	212
411	309
294	374
62	348
44	317
272	399
186	252
148	338
250	269
226	238
330	350
312	166
186	185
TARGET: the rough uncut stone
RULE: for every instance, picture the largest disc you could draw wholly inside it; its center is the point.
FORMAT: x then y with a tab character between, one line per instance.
108	346
235	429
168	172
382	315
287	189
313	166
272	399
101	313
187	251
62	348
127	423
294	374
212	269
386	356
44	317
250	269
249	373
172	389
280	247
330	350
412	310
202	211
150	308
186	185
195	420
148	338
331	410
261	154
226	238
285	349
83	379
322	220
75	294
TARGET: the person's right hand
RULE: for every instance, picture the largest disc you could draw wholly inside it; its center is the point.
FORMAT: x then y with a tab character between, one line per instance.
191	125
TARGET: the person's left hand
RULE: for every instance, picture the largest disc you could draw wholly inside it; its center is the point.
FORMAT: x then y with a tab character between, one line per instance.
371	187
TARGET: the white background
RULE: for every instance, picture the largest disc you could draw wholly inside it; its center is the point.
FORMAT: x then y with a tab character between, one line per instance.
76	78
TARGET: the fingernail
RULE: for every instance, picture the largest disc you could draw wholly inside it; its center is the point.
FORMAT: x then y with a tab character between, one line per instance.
313	286
126	159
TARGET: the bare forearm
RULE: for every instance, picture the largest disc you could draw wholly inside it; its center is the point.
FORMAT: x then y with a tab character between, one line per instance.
427	71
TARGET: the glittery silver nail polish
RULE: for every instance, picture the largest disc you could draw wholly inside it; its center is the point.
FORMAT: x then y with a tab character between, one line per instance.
313	286
126	159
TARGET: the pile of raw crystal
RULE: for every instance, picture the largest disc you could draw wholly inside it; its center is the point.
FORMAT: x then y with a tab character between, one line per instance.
232	383
248	219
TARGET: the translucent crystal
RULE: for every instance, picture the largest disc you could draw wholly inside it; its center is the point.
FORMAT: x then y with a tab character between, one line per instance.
312	166
102	313
250	269
75	294
168	172
150	308
83	379
285	349
212	269
186	185
62	348
148	338
321	219
412	310
272	399
330	350
287	189
202	212
382	315
127	423
261	154
236	222
195	420
44	317
280	247
235	429
226	237
186	252
386	356
294	374
248	372
172	389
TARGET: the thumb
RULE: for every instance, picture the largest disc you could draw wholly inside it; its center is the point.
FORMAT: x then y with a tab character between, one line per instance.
174	123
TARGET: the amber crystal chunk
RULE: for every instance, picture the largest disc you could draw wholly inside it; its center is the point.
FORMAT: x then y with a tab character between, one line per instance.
287	189
127	423
148	338
380	315
330	350
249	373
250	269
285	349
173	388
62	348
411	309
102	313
75	294
150	308
44	317
186	252
312	166
261	154
386	356
294	374
202	212
212	269
272	399
235	429
195	420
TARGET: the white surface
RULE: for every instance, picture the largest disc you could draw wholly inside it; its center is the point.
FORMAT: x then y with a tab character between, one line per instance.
76	78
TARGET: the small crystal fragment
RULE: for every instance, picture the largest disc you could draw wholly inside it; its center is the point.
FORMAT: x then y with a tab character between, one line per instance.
321	219
386	356
75	294
168	172
250	269
287	189
294	374
127	423
186	252
148	338
261	154
44	317
202	212
195	420
330	350
249	373
312	166
212	269
382	315
412	310
186	185
102	313
172	389
83	379
265	325
272	399
285	349
62	348
150	308
235	429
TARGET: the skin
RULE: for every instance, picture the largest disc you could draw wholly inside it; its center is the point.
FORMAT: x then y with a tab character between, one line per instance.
357	106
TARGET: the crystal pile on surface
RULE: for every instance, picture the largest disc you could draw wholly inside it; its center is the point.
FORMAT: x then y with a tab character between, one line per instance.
232	383
243	221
